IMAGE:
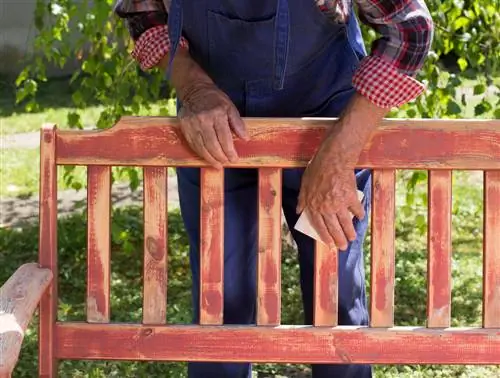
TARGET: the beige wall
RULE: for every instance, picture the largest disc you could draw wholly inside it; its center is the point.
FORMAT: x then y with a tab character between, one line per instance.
17	31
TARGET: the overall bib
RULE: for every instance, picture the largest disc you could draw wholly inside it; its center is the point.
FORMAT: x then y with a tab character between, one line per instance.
274	58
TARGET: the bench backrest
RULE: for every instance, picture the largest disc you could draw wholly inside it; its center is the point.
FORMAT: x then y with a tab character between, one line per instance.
155	143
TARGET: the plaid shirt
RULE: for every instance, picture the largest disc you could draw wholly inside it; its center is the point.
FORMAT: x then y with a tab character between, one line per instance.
386	76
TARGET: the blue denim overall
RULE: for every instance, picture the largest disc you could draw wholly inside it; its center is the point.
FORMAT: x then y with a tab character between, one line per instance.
274	58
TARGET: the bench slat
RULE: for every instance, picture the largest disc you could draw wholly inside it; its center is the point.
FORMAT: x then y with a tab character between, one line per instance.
325	313
47	253
285	344
439	247
212	246
287	142
98	243
269	256
382	248
491	274
155	246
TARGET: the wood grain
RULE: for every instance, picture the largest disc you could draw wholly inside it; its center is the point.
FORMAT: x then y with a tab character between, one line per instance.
325	312
439	247
491	260
293	344
282	142
19	297
269	260
212	246
155	246
98	243
382	248
48	250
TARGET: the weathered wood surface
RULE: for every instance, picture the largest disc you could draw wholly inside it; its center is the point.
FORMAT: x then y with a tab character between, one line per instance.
325	310
155	246
491	260
294	344
269	257
439	247
275	143
47	253
212	246
383	248
19	297
98	243
412	144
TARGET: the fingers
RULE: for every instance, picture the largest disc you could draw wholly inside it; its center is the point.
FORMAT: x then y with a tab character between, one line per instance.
356	207
198	146
345	221
225	138
321	228
237	124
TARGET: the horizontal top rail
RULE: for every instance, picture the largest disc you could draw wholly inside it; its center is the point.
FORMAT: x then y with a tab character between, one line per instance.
396	144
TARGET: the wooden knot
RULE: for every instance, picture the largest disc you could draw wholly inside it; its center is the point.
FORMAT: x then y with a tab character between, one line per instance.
152	248
147	332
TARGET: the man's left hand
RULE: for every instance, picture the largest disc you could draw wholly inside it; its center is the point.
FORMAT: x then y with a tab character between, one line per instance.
329	193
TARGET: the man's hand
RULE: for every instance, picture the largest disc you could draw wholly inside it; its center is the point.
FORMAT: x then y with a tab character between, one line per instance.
207	116
329	193
328	189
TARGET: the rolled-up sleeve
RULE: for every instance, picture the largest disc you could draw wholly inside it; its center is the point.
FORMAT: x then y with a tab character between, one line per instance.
147	24
387	76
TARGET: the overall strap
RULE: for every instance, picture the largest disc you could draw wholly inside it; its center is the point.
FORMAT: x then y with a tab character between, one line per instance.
281	42
174	30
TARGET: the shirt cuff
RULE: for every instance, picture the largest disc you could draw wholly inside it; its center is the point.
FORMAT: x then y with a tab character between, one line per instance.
383	85
153	45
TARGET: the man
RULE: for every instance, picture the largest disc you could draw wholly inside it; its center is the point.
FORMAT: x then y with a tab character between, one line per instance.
282	58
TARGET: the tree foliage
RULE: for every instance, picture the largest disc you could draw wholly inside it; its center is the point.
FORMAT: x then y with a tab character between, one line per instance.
466	49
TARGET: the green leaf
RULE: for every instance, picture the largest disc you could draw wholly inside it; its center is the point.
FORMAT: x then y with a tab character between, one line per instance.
483	107
479	89
461	22
453	108
462	64
74	120
411	113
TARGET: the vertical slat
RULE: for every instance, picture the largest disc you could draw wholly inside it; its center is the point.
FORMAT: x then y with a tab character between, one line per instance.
325	286
212	246
439	247
155	246
382	248
98	243
269	263
47	363
491	259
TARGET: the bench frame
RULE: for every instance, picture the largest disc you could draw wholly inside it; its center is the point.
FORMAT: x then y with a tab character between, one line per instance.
154	143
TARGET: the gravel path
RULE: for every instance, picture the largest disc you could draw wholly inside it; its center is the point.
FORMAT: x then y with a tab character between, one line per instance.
15	211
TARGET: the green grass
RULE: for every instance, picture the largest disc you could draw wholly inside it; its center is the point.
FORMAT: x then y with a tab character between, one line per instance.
19	245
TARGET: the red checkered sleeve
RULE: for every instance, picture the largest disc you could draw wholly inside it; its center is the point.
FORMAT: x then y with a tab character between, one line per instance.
153	45
386	77
383	85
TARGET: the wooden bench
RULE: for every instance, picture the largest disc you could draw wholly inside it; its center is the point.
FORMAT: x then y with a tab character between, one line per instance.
155	144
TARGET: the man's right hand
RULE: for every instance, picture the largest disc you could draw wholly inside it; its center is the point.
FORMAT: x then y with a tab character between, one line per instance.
207	117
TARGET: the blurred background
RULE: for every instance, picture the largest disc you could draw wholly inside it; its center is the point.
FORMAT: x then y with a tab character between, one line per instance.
68	62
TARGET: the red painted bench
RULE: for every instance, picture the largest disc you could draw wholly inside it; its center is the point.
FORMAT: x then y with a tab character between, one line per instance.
155	143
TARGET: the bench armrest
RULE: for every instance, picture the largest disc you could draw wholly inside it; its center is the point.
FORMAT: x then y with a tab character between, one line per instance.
19	297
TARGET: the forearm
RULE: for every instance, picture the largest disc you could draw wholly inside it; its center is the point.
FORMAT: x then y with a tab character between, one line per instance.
185	74
345	141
